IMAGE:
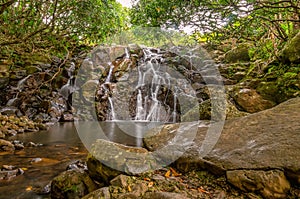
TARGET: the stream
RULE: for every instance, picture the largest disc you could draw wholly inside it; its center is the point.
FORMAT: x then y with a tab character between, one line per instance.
61	146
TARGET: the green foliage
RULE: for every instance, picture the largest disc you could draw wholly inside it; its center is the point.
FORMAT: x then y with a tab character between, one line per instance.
59	24
262	22
154	37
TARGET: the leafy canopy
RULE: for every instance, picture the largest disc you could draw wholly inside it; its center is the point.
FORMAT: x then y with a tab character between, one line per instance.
51	22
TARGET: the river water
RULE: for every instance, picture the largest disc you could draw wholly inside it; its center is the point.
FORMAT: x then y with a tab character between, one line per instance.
61	146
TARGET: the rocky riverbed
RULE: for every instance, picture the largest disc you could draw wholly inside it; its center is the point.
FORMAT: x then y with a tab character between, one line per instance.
256	155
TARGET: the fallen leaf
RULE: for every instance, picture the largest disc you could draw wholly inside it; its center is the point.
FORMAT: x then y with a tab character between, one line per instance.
24	168
29	188
129	188
174	173
147	179
150	184
202	190
168	174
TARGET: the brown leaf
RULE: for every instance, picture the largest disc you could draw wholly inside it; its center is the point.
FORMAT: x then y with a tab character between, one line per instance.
150	184
147	179
174	173
202	190
168	174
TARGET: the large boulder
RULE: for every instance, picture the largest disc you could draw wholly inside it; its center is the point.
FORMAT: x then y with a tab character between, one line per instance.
291	51
108	160
264	141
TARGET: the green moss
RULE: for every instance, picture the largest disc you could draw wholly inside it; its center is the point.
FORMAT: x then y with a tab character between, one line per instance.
291	51
238	54
289	75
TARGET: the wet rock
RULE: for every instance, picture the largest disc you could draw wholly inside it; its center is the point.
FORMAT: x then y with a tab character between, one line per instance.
108	160
19	146
8	172
8	167
250	101
79	165
102	193
44	190
164	195
270	184
32	144
291	51
6	145
72	184
36	160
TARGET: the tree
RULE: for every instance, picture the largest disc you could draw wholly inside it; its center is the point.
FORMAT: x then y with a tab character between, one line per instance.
248	19
56	21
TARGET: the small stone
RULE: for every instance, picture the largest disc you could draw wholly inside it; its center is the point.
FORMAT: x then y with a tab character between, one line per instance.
80	165
19	146
6	145
8	167
120	181
31	144
102	193
36	160
11	132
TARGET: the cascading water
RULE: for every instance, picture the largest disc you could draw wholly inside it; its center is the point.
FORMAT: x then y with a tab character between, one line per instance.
107	82
148	84
152	71
154	98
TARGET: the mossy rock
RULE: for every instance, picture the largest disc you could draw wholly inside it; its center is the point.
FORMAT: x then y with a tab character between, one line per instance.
72	184
238	54
291	51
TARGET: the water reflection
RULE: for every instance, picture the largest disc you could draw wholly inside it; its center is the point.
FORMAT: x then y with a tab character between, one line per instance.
129	133
61	146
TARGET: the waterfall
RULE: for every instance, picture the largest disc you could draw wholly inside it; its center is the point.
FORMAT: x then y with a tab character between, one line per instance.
150	72
149	87
140	115
112	109
111	69
174	113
